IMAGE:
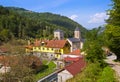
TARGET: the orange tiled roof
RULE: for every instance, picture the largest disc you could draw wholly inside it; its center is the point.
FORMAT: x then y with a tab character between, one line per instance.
76	67
75	52
5	60
38	42
56	43
29	46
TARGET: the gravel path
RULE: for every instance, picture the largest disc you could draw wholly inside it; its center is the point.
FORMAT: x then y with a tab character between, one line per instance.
115	65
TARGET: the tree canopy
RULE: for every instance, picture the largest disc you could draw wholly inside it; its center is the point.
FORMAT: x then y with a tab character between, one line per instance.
93	45
112	31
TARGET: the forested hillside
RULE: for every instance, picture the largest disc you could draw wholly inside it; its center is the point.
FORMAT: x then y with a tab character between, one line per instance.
25	24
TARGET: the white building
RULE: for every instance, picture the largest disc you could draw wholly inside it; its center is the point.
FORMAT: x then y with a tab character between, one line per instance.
77	33
76	42
64	75
71	70
4	69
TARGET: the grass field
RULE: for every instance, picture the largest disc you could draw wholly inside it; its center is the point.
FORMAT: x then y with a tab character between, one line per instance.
47	71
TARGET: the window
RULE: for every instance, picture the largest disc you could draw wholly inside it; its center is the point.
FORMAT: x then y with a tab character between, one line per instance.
59	50
35	48
39	48
52	49
43	48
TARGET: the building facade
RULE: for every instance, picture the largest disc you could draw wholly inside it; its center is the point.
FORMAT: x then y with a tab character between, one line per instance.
53	48
77	33
59	34
76	42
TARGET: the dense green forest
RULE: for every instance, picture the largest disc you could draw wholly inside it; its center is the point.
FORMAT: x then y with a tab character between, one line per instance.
25	24
112	31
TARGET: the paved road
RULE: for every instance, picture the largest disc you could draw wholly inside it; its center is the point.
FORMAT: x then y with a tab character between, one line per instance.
115	65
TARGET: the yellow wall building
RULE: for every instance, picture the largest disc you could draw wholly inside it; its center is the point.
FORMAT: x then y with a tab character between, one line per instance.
29	48
55	47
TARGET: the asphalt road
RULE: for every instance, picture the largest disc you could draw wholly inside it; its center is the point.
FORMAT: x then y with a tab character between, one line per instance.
114	65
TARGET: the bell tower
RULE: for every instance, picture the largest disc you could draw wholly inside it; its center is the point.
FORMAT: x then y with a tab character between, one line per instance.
59	34
77	33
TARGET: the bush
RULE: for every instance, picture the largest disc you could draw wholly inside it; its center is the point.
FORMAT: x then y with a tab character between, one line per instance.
42	68
107	75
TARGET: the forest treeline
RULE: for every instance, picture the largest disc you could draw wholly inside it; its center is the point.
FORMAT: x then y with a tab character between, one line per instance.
24	24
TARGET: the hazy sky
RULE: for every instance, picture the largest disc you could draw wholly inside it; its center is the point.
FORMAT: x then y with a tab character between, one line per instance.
89	13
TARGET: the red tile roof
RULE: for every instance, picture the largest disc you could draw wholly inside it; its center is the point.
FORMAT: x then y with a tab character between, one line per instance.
51	43
76	67
29	46
75	52
37	43
56	43
5	60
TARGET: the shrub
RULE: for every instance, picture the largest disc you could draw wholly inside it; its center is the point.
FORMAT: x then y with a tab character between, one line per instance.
107	75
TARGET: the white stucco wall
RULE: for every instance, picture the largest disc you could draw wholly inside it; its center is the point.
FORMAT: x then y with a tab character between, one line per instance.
70	45
4	69
72	56
64	75
81	45
75	45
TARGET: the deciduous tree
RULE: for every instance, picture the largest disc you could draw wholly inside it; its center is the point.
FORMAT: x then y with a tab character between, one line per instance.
112	31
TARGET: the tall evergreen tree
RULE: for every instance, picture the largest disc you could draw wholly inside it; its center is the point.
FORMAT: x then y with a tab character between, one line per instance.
113	28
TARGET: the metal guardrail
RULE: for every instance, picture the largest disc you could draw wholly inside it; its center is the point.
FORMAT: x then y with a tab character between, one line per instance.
51	77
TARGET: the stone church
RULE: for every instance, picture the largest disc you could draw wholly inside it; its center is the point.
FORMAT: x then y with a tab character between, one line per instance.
75	42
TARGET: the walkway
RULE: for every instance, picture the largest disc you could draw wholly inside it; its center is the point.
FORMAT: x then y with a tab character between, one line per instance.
115	65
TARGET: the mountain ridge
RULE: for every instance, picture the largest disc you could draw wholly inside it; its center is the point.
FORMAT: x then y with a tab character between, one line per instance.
22	23
43	14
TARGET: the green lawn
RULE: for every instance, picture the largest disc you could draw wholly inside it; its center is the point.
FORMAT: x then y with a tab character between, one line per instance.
44	62
49	70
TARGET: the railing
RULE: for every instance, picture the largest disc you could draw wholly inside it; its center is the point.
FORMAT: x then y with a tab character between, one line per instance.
50	78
